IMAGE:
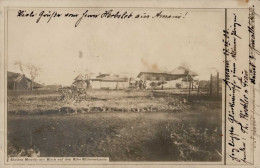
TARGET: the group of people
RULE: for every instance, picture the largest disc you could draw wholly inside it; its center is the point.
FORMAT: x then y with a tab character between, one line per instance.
142	84
138	84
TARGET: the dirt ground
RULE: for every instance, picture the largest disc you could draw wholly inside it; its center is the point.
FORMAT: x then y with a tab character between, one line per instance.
121	125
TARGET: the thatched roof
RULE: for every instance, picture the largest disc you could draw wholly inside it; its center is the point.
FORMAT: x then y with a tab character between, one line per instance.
183	71
110	78
16	77
80	77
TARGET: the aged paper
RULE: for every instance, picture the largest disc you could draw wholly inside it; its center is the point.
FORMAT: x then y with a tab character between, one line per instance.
130	83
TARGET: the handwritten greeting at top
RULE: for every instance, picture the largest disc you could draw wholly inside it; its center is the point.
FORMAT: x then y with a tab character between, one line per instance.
106	14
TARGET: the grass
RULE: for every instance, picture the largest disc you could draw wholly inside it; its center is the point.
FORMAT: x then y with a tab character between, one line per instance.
166	129
97	100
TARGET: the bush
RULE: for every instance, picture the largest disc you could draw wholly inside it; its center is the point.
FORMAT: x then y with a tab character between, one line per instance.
178	85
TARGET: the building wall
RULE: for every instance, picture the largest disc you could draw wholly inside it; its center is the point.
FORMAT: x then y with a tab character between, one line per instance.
23	84
155	77
172	84
10	85
109	85
95	85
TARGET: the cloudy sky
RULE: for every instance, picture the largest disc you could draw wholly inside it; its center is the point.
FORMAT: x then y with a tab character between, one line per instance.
121	46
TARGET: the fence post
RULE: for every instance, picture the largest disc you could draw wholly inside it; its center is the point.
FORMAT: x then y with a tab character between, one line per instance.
198	87
192	85
217	84
189	86
210	85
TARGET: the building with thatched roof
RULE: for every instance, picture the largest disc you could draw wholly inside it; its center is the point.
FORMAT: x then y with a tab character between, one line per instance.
106	81
180	72
109	81
80	81
183	72
17	81
180	76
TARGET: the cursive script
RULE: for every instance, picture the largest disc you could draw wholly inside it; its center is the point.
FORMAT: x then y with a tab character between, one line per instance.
48	15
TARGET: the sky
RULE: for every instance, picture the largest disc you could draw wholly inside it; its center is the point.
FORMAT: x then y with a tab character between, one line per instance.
119	46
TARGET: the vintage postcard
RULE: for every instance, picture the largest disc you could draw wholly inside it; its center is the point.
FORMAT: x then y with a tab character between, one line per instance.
127	83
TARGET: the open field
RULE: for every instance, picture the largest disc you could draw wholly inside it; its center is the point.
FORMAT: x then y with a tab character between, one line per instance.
49	102
121	125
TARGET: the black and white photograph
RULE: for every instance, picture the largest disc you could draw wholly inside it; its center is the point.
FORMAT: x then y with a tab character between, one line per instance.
125	84
132	89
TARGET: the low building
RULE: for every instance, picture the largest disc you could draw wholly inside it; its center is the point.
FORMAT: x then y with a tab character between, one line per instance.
109	81
81	81
101	81
154	76
180	77
17	81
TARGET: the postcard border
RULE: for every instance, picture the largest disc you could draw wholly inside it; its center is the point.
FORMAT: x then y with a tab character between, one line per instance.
222	162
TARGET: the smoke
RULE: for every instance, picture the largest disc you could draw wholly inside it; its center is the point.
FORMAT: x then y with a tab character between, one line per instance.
151	67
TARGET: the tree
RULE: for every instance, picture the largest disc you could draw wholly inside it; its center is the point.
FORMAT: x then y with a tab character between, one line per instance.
20	65
32	70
